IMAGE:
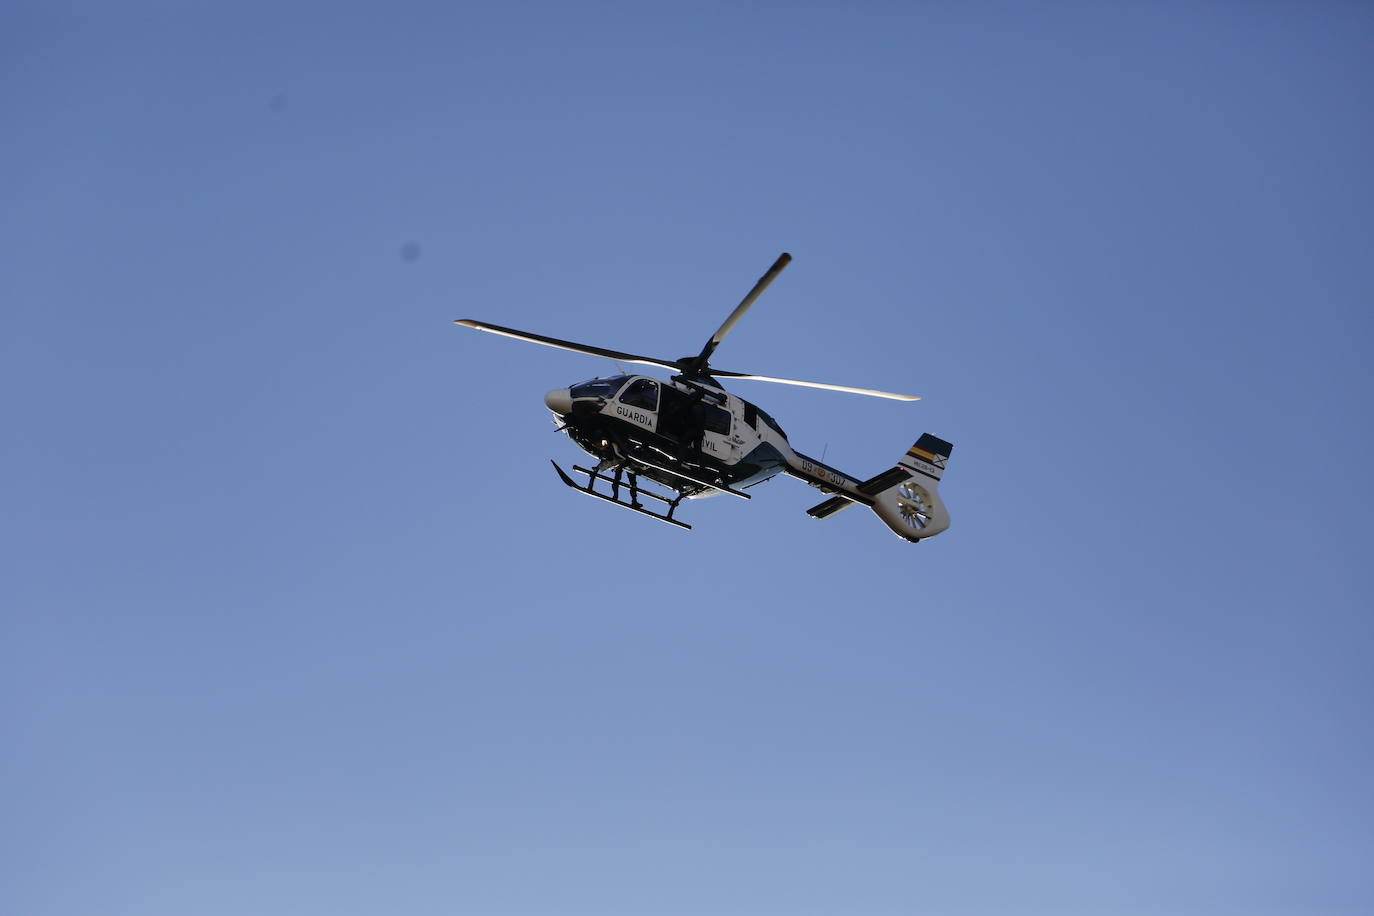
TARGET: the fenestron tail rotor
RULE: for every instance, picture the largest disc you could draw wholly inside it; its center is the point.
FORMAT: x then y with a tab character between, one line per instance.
691	367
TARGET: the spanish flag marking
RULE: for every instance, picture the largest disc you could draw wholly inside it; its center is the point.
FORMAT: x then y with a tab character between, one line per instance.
922	453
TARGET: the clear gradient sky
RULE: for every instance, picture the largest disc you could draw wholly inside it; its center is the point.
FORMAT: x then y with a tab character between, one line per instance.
298	620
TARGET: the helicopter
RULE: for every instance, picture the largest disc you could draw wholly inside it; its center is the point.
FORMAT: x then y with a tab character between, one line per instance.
692	438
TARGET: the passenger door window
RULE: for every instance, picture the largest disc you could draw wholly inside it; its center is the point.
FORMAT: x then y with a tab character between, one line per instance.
717	419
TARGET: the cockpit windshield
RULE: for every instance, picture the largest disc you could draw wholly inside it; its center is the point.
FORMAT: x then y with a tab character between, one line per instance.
599	387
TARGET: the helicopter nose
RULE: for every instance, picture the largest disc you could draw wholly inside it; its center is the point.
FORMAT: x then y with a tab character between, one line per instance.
559	401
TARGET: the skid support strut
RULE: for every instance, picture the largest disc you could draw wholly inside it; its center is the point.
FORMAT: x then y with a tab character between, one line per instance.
632	485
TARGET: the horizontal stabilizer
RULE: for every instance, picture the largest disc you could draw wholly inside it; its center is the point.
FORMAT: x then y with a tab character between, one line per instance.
829	507
889	478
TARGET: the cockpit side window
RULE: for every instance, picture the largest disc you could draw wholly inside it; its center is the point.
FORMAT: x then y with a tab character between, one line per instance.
717	419
641	393
751	415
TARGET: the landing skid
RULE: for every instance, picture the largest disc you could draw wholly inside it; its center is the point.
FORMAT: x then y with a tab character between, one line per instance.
633	452
635	492
638	456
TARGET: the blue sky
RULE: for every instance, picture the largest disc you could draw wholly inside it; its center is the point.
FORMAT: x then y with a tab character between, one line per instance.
298	619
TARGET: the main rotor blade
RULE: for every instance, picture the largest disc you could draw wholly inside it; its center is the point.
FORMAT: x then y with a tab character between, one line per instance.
772	274
873	393
566	344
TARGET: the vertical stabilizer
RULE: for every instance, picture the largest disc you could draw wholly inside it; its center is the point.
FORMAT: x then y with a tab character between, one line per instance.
928	456
910	503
